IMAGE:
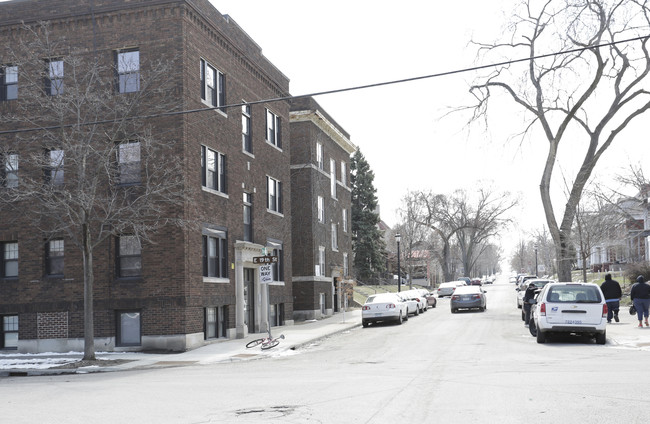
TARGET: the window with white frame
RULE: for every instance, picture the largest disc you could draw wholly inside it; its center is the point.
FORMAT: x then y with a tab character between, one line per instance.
9	328
8	83
344	173
129	328
321	209
9	259
10	171
213	170
274	197
54	174
333	178
54	254
213	86
128	158
273	129
247	140
346	269
54	80
335	236
215	253
344	218
319	155
215	322
128	70
129	256
321	261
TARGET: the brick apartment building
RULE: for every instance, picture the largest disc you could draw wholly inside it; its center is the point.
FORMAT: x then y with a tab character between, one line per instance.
322	241
192	285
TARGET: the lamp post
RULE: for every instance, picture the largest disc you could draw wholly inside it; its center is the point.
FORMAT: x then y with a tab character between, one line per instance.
398	238
535	260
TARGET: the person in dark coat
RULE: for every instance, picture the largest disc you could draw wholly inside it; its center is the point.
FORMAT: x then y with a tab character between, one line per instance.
529	295
612	291
640	295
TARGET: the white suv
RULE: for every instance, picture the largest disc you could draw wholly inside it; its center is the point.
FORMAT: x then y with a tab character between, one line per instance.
570	308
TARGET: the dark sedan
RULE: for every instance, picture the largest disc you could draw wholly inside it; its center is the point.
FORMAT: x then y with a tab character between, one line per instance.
468	297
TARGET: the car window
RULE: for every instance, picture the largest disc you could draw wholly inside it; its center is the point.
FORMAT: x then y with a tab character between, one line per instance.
574	294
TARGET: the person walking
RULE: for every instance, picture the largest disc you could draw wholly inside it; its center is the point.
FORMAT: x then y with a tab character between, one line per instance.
640	295
612	291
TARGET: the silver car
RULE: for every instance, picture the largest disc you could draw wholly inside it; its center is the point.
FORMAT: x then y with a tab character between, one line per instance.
383	307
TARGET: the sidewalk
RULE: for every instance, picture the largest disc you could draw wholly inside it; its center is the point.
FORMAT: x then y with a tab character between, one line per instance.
296	336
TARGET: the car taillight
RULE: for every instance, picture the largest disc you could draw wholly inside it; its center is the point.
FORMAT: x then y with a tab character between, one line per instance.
455	297
476	296
390	306
542	309
438	289
366	308
417	299
605	310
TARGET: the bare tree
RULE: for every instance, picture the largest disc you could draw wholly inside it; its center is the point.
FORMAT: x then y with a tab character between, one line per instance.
587	93
413	233
92	165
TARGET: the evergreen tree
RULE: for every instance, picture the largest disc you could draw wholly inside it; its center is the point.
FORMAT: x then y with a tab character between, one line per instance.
367	242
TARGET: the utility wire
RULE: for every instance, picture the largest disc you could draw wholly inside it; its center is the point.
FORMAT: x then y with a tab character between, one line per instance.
340	90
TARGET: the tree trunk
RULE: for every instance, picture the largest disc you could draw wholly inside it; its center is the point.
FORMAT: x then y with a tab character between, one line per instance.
89	325
564	258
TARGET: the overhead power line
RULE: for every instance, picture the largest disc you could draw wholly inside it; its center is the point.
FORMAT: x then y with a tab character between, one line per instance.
339	90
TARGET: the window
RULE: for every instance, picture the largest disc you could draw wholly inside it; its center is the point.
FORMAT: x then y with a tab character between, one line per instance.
319	155
320	268
54	257
8	83
273	133
129	256
346	269
9	332
345	220
9	260
277	268
213	170
128	328
213	86
54	80
215	254
321	209
54	173
247	141
344	173
128	70
274	198
333	178
335	238
129	163
215	322
10	171
248	217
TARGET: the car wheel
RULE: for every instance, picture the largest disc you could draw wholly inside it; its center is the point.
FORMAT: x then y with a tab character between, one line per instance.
406	317
400	319
364	323
435	304
541	336
417	311
453	310
532	328
601	338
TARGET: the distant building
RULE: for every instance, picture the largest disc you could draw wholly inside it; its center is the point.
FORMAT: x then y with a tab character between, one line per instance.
192	287
321	202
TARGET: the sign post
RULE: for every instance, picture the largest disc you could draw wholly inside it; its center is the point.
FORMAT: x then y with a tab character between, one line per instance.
266	277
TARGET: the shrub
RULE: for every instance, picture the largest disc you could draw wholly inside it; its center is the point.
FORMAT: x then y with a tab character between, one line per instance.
634	270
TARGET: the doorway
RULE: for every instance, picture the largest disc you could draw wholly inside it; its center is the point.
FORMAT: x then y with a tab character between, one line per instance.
249	299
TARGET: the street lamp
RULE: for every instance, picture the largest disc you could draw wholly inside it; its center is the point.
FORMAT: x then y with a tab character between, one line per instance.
398	238
535	260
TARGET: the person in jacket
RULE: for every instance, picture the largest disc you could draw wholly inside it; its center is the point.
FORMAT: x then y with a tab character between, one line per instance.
612	291
640	295
529	295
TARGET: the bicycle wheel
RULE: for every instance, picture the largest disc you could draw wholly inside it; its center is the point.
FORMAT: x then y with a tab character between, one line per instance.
254	343
270	344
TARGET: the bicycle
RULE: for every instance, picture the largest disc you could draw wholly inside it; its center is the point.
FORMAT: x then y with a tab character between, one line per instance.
266	342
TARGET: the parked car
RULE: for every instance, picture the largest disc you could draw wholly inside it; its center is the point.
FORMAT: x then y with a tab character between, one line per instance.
383	307
522	279
417	296
513	280
538	282
446	289
431	299
412	305
476	282
467	280
575	308
468	297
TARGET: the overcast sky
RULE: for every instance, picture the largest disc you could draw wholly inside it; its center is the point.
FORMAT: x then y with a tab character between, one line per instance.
402	129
